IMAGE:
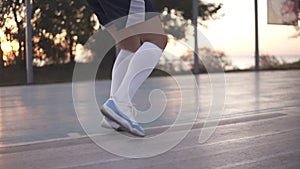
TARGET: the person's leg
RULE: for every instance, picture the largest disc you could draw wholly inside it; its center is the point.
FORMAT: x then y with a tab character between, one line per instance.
139	68
132	43
154	41
127	49
142	63
144	60
157	39
119	69
119	108
122	61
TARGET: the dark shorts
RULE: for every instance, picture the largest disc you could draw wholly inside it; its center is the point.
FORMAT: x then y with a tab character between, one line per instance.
122	13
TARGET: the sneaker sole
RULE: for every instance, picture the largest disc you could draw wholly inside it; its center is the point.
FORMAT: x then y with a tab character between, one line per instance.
116	118
108	125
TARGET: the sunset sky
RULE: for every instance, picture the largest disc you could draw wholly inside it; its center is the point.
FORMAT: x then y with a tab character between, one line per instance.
234	33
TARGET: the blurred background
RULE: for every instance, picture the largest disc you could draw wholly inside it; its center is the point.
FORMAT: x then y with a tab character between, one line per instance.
60	29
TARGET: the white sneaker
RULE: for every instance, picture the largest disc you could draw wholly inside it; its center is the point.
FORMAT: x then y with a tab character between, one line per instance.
122	114
107	123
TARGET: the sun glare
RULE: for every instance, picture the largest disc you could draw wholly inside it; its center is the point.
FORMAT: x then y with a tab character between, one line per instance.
6	47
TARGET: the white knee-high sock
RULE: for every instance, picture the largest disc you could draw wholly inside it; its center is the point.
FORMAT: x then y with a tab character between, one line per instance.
119	69
140	66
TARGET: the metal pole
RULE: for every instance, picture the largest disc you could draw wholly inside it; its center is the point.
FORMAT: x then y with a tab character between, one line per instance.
256	37
29	71
195	22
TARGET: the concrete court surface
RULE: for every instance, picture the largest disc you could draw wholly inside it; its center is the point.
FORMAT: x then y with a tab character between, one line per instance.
259	128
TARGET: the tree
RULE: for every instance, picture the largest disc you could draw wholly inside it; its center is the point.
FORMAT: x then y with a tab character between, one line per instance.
297	28
206	10
1	58
60	25
177	14
174	23
211	61
268	62
12	23
57	27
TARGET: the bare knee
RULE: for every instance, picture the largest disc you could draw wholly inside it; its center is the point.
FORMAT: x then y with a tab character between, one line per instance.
132	43
157	39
